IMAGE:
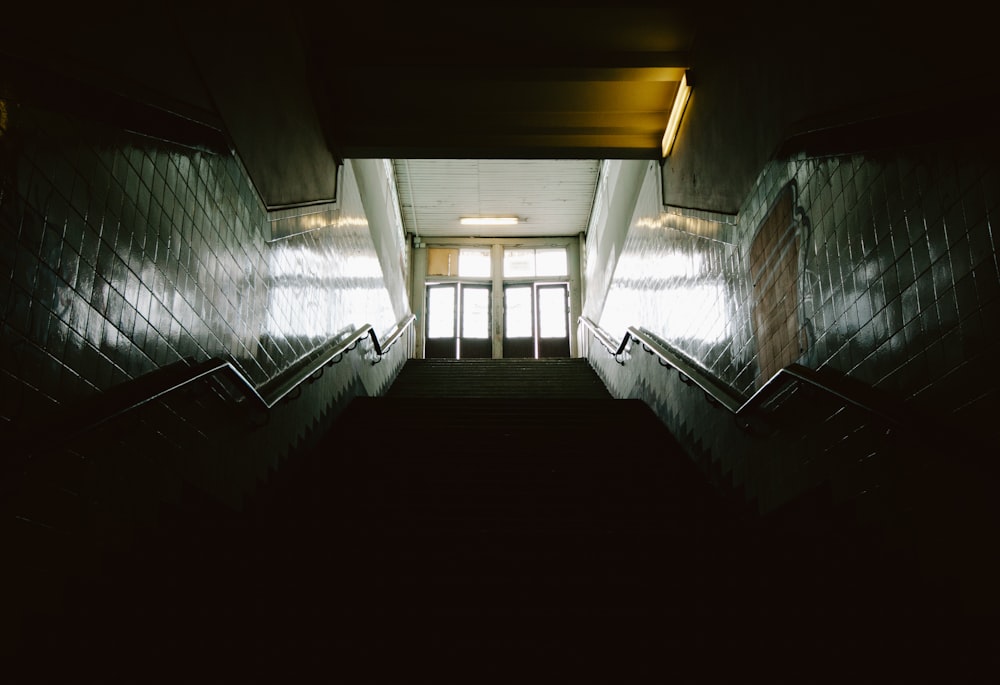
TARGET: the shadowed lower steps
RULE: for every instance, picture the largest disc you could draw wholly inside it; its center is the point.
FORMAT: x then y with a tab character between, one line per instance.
496	378
525	538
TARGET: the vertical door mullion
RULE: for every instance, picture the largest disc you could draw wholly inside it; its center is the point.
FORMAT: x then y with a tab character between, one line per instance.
497	293
458	320
534	316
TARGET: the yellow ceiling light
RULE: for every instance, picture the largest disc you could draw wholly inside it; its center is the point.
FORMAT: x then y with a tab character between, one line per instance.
676	112
489	220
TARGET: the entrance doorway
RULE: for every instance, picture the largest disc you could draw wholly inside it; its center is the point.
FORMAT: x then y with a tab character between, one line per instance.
506	297
536	320
458	321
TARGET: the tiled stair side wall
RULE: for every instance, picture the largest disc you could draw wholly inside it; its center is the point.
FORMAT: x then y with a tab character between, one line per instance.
900	278
901	291
124	254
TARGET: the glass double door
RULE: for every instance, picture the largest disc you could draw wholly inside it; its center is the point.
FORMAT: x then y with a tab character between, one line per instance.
458	322
535	321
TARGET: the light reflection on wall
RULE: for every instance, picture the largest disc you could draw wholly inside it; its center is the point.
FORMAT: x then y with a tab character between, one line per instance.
325	282
675	281
694	312
698	312
126	253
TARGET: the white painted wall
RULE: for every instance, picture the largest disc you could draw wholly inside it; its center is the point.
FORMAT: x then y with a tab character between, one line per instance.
614	204
381	207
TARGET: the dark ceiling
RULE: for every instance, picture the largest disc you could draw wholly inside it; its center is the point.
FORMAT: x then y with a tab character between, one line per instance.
497	81
294	87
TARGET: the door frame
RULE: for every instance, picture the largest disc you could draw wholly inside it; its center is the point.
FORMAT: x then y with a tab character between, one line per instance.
419	279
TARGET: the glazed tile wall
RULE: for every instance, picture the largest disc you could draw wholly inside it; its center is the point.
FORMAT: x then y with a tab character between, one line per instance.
682	278
900	289
122	254
899	284
899	278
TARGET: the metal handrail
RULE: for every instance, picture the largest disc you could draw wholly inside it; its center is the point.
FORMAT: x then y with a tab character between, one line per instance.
169	379
605	339
690	372
395	335
846	390
280	387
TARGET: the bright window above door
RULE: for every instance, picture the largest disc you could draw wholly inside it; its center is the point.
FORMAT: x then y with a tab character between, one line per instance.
537	262
474	263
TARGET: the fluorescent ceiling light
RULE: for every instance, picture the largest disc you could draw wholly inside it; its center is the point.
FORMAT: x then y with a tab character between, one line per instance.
489	220
676	112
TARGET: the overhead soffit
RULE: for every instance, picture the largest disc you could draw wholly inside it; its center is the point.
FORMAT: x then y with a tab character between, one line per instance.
531	83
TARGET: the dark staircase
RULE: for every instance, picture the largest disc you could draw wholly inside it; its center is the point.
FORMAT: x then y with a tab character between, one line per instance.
498	521
499	378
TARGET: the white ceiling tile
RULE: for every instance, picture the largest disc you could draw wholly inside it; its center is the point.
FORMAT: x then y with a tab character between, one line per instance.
552	197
